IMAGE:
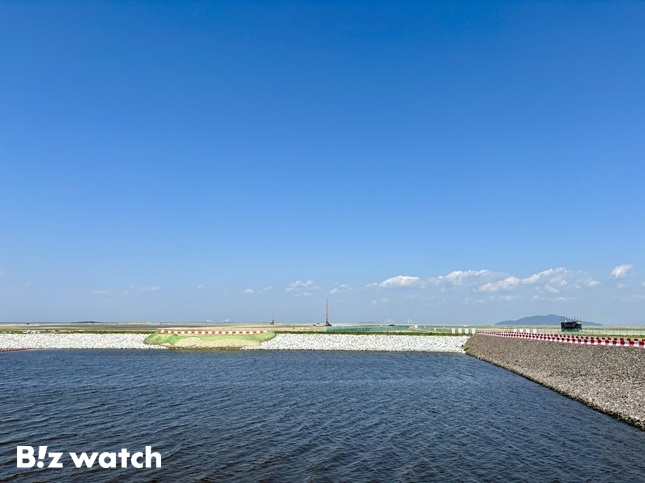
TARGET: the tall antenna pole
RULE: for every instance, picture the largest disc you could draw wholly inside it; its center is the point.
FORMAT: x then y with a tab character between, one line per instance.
327	312
273	317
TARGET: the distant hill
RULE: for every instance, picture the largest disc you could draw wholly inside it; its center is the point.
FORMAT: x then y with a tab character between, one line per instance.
550	319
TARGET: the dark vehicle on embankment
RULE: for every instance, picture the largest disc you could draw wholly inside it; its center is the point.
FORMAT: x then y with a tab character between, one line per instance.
571	325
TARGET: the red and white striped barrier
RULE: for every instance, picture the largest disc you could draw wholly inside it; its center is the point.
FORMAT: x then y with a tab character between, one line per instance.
574	339
210	332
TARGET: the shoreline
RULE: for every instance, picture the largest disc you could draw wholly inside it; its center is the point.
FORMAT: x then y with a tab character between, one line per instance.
364	342
10	341
608	379
338	342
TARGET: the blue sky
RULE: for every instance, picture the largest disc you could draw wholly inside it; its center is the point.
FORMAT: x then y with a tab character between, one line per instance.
443	162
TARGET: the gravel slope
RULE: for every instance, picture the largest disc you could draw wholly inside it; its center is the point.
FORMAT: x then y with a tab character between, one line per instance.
75	341
346	342
608	379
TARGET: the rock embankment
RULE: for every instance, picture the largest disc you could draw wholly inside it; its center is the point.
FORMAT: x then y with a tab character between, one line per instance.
346	342
74	341
608	379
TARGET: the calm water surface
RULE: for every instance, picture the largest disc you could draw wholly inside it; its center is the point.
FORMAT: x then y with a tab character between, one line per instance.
304	416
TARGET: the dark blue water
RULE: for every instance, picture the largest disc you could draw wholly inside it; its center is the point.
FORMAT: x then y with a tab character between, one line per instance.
303	416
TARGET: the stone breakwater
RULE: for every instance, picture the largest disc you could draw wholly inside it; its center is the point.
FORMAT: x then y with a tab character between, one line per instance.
74	341
346	342
608	379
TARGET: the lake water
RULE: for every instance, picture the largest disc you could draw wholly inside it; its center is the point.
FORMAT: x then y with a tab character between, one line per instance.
303	416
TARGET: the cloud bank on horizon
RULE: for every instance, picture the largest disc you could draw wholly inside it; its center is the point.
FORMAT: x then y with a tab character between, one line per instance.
554	290
553	280
555	286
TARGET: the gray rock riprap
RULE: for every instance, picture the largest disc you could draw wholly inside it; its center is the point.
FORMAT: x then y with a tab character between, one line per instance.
74	341
347	342
608	379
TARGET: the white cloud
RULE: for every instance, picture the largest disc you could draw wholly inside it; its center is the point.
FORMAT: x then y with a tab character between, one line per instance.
553	274
462	277
200	286
401	281
299	286
587	282
551	278
620	271
503	298
486	280
505	284
558	280
144	288
380	301
262	290
469	300
536	298
340	288
132	291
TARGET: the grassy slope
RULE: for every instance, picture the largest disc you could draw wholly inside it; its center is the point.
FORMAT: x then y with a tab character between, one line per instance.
208	341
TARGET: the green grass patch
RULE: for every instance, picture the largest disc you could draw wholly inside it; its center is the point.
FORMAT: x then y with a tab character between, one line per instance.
157	339
208	341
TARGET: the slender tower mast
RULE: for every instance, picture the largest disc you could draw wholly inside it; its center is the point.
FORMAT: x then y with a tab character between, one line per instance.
327	312
273	317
